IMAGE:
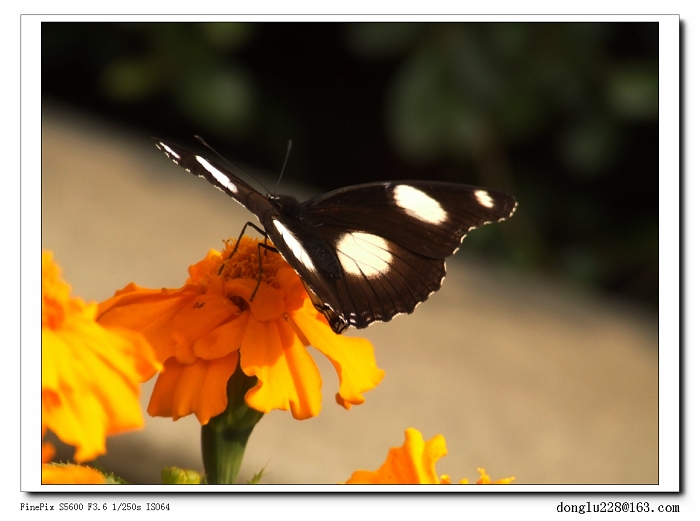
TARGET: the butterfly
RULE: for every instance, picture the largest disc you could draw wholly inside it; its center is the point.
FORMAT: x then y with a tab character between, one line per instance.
365	253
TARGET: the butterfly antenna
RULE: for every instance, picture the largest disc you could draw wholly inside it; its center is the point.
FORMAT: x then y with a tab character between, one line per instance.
289	149
201	140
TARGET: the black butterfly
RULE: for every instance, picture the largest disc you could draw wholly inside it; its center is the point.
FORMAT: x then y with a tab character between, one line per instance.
367	252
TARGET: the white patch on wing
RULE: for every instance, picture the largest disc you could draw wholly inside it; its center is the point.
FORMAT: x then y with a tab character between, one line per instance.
169	151
218	174
363	254
484	198
418	204
297	249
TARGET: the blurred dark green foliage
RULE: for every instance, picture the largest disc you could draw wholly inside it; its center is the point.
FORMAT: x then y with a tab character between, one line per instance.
562	115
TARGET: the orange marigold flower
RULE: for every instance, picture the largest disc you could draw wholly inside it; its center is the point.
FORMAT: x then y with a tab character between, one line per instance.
485	479
202	330
89	373
413	464
58	474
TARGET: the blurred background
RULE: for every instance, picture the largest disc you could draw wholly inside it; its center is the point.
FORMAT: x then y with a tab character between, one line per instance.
538	358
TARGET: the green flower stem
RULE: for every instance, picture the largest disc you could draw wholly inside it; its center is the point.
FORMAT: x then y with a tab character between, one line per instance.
225	437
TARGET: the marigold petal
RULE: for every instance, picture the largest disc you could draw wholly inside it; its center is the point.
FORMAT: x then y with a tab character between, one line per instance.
161	402
57	474
206	313
150	312
90	377
430	452
293	289
268	303
141	361
485	479
200	273
48	451
223	340
55	292
71	410
198	388
412	463
287	375
364	477
352	358
83	417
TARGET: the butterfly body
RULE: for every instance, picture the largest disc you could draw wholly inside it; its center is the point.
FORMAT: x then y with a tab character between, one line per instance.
368	252
289	214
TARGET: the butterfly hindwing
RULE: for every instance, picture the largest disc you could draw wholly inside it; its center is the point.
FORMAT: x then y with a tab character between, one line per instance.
381	278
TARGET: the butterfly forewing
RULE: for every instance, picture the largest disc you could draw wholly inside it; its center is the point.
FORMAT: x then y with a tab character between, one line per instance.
430	218
220	177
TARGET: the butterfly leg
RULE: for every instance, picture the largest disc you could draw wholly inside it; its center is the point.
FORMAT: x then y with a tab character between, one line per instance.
266	248
238	241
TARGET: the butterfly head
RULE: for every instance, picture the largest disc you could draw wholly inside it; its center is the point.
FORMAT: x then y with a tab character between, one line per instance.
287	205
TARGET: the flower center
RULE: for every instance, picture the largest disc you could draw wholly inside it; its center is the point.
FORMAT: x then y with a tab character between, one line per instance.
250	261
